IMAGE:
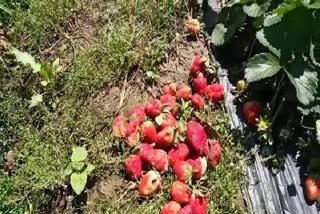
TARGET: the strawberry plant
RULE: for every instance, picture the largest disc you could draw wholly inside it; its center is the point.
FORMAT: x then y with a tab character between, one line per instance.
79	169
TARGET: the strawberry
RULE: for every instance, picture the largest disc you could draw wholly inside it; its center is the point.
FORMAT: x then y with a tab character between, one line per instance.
148	132
183	170
134	167
193	26
149	183
137	113
186	210
179	192
171	207
157	158
144	151
169	89
215	92
179	153
199	204
184	92
165	138
200	84
153	108
214	154
198	65
251	111
197	102
169	102
167	120
132	134
119	126
197	138
199	167
312	188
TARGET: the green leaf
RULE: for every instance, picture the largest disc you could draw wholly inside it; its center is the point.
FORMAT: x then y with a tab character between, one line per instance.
218	34
305	80
68	170
271	20
77	165
90	168
159	119
262	66
26	59
46	72
36	100
284	8
255	10
78	181
262	39
5	9
79	154
314	4
315	53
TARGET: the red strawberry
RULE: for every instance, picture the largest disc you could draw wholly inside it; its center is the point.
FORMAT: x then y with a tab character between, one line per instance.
134	167
137	113
215	92
154	157
200	84
184	92
186	210
145	151
183	170
197	101
199	167
153	108
251	111
132	134
171	207
119	126
312	189
167	120
179	153
197	138
169	102
214	154
199	204
148	132
197	66
149	183
165	138
179	192
169	89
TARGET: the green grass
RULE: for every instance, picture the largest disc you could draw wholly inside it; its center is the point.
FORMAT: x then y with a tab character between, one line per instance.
129	38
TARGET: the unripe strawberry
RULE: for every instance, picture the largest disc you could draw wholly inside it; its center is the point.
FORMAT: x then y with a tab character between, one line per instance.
119	126
193	26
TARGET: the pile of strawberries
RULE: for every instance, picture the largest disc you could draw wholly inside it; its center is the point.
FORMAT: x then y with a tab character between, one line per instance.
168	141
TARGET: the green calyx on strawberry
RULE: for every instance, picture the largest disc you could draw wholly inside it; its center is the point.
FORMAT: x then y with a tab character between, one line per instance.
119	126
133	167
170	89
148	132
251	111
200	84
197	102
171	207
179	153
214	153
184	92
197	138
138	113
165	138
153	108
183	170
149	183
180	192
